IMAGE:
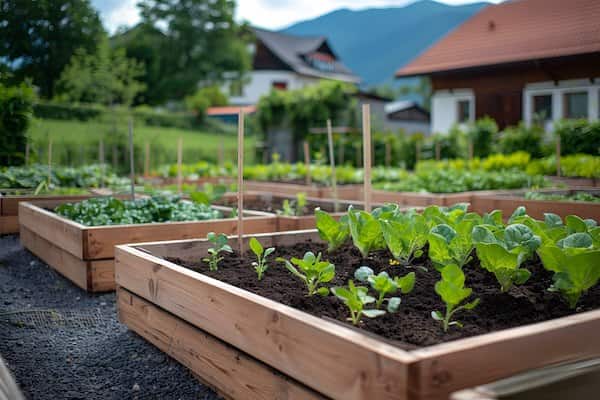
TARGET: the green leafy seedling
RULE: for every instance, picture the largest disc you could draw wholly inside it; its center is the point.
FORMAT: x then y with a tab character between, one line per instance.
336	233
260	266
220	244
451	288
384	285
312	271
356	298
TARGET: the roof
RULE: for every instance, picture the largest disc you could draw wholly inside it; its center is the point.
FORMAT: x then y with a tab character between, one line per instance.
514	31
402	105
293	51
229	110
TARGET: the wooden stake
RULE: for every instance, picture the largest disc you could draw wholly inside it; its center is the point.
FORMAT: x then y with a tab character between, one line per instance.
101	161
27	154
49	162
336	204
179	161
366	114
558	156
147	160
131	161
307	162
388	154
240	157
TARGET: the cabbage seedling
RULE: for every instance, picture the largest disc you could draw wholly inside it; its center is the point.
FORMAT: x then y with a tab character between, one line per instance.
451	288
312	271
334	232
260	266
356	298
220	244
384	285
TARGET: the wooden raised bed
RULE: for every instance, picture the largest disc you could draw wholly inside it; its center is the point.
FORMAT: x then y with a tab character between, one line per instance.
422	199
345	192
85	254
331	358
509	201
9	208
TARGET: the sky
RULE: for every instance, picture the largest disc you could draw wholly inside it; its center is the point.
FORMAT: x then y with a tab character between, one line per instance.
270	14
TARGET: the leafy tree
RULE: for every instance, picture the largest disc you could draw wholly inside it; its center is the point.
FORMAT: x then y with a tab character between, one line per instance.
105	77
205	97
44	34
203	41
16	112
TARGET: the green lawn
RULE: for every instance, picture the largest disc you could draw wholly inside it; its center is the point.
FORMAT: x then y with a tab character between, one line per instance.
77	143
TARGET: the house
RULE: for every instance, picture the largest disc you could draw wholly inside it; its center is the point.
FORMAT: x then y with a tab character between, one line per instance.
408	116
287	62
518	60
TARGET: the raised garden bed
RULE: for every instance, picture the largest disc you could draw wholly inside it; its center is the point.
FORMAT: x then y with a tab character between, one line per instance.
509	200
345	192
85	254
333	358
9	208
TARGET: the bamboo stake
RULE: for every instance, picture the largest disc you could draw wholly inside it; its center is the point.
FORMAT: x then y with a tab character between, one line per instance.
147	160
131	161
179	161
366	114
558	156
49	162
240	157
27	154
307	162
336	204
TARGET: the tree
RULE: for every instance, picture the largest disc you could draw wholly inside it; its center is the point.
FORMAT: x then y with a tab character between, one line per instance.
105	77
16	112
203	42
44	34
210	96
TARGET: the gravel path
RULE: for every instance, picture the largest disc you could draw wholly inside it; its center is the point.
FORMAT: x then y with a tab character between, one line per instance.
62	343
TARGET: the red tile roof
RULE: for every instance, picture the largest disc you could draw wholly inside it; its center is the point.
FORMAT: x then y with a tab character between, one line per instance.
229	110
513	31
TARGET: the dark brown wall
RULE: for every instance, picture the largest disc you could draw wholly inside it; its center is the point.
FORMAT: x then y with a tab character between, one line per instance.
499	89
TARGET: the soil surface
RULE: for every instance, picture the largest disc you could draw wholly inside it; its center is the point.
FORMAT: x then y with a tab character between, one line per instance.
62	343
412	325
275	204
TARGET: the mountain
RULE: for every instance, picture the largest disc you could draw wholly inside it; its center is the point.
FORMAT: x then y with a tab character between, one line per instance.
375	42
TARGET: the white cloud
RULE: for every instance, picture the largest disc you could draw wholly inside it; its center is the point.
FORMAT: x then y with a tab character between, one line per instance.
271	14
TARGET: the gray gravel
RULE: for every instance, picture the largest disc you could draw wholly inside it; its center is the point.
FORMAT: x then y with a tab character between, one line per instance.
62	343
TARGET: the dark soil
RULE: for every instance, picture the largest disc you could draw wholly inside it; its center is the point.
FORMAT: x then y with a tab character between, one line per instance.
275	204
89	355
412	325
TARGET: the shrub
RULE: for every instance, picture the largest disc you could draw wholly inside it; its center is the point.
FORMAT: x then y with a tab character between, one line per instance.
482	133
16	104
579	136
522	138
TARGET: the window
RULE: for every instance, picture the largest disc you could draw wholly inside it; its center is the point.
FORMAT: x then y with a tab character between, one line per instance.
281	85
463	111
542	107
575	105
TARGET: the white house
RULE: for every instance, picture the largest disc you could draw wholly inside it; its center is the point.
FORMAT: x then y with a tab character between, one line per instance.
517	60
287	62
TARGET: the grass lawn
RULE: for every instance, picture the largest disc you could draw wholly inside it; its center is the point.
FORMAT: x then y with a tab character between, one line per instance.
77	143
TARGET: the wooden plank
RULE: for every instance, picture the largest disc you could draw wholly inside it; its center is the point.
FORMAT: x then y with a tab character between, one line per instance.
351	365
101	275
100	241
448	367
65	234
9	224
72	268
10	204
229	371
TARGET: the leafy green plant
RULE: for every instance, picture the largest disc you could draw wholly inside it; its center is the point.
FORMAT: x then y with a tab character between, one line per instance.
451	246
294	207
312	271
260	265
405	236
210	194
365	231
451	288
334	232
220	245
356	298
383	284
575	262
503	252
